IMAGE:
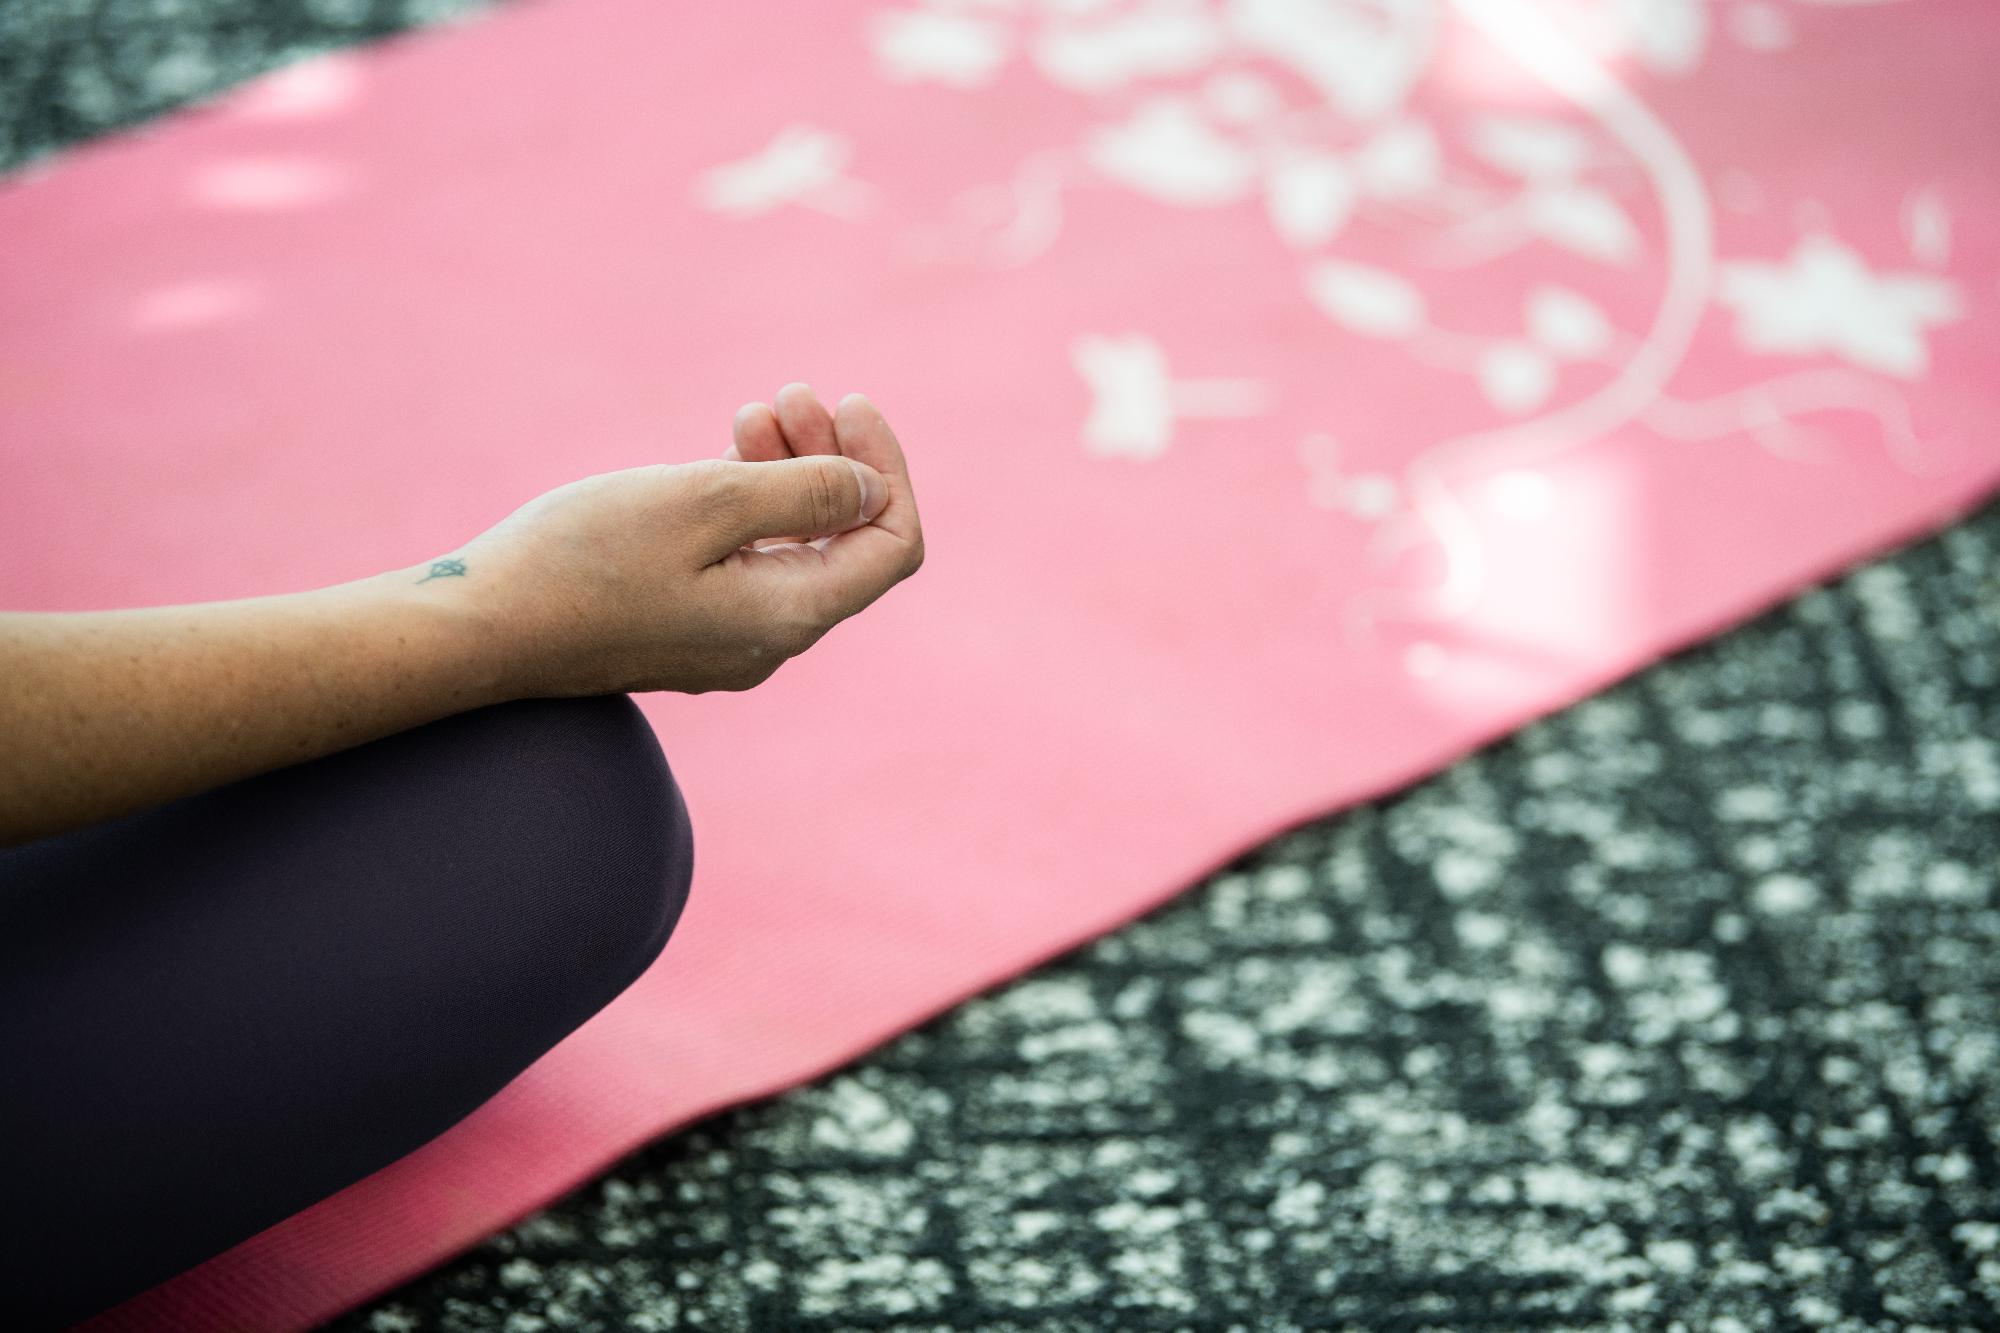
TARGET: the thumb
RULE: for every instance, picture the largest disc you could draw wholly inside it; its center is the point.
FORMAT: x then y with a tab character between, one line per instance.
813	496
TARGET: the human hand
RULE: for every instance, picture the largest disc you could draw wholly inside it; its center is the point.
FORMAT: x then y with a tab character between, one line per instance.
698	576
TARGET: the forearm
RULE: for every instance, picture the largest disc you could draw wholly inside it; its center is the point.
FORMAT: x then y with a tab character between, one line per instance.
103	713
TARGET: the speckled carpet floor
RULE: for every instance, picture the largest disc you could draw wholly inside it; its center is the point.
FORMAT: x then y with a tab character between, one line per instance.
1680	1010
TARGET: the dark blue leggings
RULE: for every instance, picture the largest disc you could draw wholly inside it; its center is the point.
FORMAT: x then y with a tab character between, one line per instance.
219	1011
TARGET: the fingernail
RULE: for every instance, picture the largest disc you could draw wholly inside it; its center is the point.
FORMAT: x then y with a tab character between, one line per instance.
874	491
732	454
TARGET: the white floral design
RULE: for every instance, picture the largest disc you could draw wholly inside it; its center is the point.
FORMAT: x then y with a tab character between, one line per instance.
1824	298
1372	302
961	50
1093	52
1131	411
801	165
1308	111
1667	35
1169	151
1135	400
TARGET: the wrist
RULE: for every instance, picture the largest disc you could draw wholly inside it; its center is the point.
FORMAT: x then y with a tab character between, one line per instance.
448	631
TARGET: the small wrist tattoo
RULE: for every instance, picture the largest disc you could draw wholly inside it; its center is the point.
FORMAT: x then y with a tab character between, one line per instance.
444	569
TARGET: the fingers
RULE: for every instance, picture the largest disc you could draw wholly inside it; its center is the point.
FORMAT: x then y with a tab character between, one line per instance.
796	425
807	425
859	565
856	568
758	437
809	497
834	578
865	436
755	435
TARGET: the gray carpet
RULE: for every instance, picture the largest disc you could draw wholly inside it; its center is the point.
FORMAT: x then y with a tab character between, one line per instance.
1678	1011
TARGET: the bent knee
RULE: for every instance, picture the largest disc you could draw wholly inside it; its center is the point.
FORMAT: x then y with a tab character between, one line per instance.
633	844
598	844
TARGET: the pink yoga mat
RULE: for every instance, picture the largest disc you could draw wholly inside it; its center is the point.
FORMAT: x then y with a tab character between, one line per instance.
1299	395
